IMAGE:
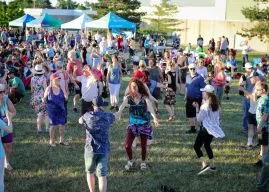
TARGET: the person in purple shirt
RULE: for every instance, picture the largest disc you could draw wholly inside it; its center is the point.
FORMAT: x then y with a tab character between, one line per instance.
97	146
194	83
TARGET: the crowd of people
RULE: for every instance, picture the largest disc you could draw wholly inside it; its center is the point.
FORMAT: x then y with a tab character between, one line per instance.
52	66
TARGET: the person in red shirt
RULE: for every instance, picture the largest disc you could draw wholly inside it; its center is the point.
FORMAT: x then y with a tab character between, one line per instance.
120	42
73	61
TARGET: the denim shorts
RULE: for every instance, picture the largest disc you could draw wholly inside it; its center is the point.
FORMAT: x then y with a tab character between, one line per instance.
96	162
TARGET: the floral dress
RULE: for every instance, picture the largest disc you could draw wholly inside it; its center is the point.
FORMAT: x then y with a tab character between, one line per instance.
38	93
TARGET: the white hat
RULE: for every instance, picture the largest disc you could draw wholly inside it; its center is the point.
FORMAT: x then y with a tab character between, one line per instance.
192	65
39	69
2	87
248	65
208	89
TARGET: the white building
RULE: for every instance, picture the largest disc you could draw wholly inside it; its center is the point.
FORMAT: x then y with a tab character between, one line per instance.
211	19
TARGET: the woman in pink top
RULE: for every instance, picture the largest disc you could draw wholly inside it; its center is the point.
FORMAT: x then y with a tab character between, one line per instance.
219	79
73	61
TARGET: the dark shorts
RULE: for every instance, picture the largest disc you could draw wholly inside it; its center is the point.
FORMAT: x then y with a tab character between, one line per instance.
264	139
190	110
157	93
86	106
78	91
252	119
8	138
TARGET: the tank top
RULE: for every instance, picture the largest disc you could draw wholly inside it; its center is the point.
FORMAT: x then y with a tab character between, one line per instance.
138	112
114	77
173	75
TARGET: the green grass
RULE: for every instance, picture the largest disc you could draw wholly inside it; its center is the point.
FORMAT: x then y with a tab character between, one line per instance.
172	160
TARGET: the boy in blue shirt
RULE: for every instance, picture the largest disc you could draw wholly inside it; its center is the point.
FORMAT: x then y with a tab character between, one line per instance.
97	146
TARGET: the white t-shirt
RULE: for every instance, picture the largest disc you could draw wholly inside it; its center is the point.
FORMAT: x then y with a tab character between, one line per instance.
89	89
245	49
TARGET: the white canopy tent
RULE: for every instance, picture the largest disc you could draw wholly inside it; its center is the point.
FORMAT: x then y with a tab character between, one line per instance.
78	23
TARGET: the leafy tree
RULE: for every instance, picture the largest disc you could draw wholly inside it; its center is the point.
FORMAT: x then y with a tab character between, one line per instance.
259	15
43	4
9	12
163	19
66	4
81	7
124	8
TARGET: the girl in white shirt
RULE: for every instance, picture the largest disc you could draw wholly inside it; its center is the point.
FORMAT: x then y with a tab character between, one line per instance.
210	127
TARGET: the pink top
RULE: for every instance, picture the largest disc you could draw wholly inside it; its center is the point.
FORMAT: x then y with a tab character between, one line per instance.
70	67
219	79
97	73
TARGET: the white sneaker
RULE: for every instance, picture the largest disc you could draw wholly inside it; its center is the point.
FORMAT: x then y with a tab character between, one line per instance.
204	169
129	165
8	167
143	167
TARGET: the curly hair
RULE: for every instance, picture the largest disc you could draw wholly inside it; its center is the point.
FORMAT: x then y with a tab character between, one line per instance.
141	88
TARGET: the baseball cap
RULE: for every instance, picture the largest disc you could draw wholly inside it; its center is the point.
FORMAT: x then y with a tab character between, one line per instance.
248	65
99	102
138	74
192	65
208	89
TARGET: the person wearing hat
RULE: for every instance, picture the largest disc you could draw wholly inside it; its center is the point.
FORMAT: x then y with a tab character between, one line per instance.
97	147
245	82
208	115
55	98
16	89
38	87
194	83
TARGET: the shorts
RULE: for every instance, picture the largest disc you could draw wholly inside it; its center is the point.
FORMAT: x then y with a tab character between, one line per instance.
96	162
264	139
157	93
8	138
252	119
190	110
78	91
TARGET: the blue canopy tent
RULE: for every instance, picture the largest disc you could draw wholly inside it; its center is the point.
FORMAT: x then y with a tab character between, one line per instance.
111	21
21	22
45	21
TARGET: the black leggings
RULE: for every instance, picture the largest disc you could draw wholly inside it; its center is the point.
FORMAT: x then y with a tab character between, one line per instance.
203	138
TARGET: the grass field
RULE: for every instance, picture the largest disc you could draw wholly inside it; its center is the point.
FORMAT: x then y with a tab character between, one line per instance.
172	160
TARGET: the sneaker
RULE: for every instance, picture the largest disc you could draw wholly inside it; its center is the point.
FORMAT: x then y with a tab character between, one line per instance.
213	169
258	163
52	145
143	167
191	131
75	109
247	147
203	170
129	165
64	143
8	167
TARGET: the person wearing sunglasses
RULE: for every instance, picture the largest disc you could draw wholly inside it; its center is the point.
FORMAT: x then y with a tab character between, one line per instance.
194	83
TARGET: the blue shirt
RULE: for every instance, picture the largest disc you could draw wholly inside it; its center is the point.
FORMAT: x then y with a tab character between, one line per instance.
114	77
193	88
233	62
97	127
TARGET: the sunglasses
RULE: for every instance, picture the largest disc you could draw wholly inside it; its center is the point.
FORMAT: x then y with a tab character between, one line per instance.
193	69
